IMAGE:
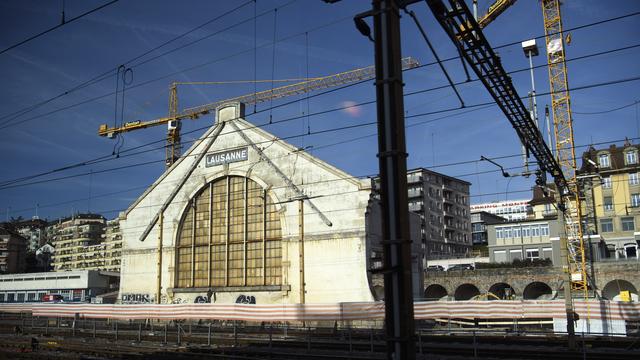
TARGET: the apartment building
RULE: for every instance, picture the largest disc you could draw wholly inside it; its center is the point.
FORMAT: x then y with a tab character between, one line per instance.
610	180
78	242
510	209
479	222
532	237
443	205
113	245
34	231
13	249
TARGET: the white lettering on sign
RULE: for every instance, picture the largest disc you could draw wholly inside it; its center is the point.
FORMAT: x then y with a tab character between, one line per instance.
226	157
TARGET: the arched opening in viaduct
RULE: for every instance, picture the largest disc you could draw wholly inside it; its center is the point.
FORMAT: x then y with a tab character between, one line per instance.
378	292
502	291
435	292
537	290
612	290
466	292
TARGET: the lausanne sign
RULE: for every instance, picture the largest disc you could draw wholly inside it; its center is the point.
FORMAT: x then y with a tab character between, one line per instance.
226	157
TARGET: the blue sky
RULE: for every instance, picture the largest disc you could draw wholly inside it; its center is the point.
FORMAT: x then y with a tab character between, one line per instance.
311	35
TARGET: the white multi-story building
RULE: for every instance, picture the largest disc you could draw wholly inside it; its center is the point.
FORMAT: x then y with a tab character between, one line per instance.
510	210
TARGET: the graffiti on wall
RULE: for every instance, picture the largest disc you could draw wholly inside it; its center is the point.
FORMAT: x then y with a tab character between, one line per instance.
136	298
201	299
245	299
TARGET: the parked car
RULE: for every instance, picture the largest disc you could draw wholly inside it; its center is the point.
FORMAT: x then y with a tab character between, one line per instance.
435	268
461	267
56	298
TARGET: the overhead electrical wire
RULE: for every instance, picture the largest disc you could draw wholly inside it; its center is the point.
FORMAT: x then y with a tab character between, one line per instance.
107	74
6	124
62	23
359	177
283	39
490	103
607	111
331	90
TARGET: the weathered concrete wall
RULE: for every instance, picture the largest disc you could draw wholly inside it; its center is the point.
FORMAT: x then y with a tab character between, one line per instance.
335	261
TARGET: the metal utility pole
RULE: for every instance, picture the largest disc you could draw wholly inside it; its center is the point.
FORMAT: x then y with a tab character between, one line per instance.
301	248
159	263
398	294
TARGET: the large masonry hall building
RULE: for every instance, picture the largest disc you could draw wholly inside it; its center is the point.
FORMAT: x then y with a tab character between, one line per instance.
246	217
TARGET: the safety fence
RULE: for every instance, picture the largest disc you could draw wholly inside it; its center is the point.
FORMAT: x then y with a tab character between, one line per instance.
499	309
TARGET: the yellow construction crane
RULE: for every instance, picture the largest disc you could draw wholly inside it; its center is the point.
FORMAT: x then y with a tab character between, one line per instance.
563	130
175	116
565	147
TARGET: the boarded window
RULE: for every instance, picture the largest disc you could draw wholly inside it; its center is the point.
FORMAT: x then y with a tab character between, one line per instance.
229	236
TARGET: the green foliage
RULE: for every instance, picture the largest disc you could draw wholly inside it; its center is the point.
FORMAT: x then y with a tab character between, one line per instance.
517	263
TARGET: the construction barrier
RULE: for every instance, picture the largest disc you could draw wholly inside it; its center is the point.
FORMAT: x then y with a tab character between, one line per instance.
499	309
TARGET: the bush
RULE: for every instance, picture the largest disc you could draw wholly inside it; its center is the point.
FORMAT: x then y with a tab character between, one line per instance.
517	263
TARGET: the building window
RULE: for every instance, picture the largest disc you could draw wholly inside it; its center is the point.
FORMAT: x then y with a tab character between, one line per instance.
633	179
606	182
535	230
606	225
499	256
627	224
229	236
532	254
635	200
603	160
544	230
547	253
631	157
515	254
608	203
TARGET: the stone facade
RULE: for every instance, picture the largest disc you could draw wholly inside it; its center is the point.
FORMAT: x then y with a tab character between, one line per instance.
529	283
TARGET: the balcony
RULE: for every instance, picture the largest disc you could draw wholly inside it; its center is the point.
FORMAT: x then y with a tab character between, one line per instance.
416	207
414	178
415	192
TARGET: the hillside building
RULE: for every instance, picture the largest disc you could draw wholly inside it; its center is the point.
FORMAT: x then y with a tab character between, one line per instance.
510	209
34	231
78	242
611	206
443	205
13	250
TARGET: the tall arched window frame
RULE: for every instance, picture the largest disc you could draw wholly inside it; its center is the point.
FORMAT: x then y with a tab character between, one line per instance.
229	236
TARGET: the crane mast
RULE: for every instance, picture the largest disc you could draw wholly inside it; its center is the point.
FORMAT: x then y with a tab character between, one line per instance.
175	116
565	148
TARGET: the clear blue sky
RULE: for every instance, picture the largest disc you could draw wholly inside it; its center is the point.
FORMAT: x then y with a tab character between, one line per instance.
64	131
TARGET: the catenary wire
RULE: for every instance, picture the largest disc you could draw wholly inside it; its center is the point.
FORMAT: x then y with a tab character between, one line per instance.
106	74
366	124
64	22
340	20
354	178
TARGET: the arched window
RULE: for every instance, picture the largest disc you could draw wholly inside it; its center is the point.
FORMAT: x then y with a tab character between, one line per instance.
229	235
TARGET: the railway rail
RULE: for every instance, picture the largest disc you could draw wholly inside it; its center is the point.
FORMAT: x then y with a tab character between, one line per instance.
68	338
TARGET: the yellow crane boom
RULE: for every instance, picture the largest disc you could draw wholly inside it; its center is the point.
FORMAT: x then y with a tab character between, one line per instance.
494	11
174	116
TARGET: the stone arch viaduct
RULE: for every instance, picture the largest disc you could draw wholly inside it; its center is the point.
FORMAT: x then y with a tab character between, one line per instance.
527	283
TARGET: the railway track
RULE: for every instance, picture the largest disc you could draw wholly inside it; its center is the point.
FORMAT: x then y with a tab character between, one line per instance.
98	340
